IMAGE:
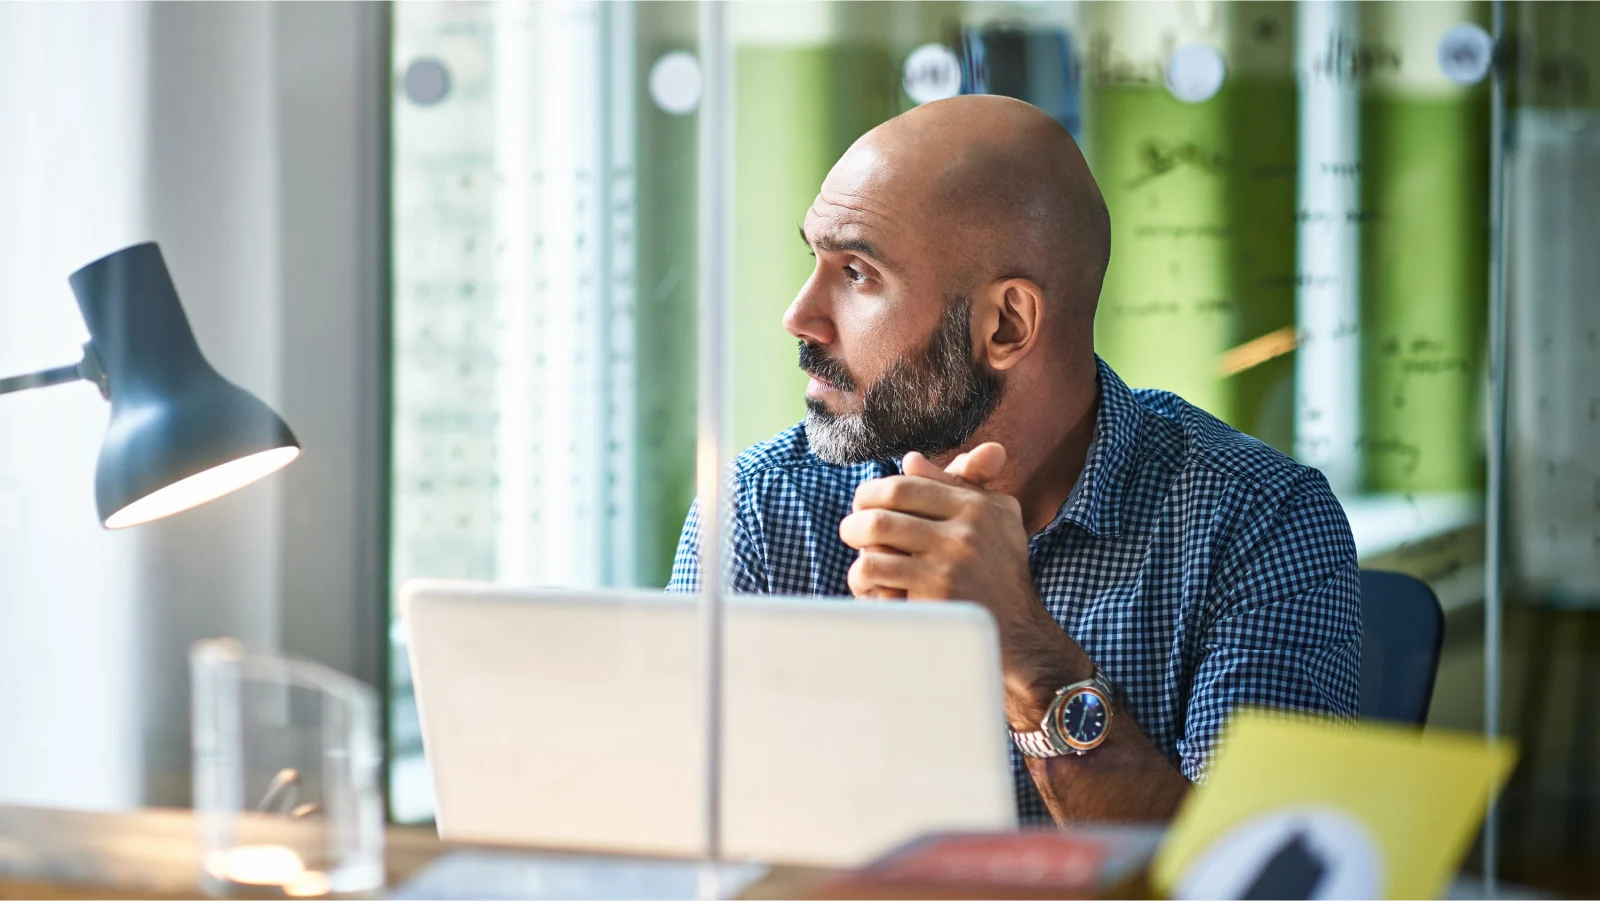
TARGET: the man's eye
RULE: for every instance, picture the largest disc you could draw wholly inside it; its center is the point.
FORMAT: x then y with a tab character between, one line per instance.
854	274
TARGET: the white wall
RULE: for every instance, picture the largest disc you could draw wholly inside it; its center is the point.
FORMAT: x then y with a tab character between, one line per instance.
247	139
72	156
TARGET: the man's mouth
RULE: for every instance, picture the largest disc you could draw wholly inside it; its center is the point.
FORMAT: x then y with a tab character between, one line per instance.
820	387
814	362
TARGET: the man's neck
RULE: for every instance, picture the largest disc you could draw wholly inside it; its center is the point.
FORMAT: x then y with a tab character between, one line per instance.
1045	453
1052	480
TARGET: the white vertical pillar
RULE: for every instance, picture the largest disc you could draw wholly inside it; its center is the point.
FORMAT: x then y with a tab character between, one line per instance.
514	203
1328	244
552	297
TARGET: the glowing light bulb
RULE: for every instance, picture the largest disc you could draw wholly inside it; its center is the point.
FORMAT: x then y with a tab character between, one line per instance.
202	486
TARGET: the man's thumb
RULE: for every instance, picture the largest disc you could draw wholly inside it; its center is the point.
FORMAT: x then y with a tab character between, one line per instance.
979	465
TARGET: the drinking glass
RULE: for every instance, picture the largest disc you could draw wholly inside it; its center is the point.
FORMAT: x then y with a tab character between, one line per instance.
286	770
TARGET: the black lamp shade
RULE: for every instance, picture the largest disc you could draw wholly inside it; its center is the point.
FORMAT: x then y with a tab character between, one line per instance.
180	434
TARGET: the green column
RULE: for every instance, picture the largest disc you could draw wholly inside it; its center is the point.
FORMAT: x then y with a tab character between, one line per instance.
665	283
1202	205
1424	262
783	146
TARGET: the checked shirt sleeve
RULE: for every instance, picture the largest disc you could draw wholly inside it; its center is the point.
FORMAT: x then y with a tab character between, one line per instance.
746	575
1285	628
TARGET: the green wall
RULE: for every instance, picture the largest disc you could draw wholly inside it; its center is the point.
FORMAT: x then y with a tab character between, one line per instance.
665	284
796	109
1202	212
1424	281
1424	256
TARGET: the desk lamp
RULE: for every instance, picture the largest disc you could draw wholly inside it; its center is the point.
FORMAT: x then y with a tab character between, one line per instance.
180	434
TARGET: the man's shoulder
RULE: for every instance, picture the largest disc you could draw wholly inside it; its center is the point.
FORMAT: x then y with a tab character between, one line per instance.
1187	437
1248	487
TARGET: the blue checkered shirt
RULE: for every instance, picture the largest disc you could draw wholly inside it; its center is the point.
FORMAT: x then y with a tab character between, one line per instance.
1200	568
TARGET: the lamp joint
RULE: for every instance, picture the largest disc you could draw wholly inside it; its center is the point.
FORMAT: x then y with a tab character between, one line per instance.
90	370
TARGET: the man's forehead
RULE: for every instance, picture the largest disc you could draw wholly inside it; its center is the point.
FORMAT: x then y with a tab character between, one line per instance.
841	228
863	185
842	215
866	215
870	197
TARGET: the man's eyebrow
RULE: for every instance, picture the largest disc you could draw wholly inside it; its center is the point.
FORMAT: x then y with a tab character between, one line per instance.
854	245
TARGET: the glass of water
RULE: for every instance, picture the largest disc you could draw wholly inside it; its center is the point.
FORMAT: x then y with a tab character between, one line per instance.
286	776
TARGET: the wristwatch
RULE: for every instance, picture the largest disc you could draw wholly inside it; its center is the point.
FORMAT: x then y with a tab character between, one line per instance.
1077	720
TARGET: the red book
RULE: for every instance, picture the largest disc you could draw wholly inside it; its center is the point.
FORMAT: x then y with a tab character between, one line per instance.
1077	863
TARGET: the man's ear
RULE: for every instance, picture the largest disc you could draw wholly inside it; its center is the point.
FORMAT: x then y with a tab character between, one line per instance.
1011	321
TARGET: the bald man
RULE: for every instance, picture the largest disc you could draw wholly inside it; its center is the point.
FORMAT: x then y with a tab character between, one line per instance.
1150	569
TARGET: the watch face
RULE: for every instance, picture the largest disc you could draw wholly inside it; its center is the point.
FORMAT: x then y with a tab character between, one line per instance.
1083	719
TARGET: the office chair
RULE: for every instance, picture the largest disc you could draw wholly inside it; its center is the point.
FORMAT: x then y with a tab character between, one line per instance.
1402	631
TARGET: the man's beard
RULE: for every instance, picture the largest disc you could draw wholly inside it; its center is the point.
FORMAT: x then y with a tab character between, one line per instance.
931	404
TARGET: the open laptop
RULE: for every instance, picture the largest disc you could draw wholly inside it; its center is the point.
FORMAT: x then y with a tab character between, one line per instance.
574	720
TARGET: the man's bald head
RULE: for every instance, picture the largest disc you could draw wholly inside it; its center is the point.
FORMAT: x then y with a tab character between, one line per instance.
960	249
1001	190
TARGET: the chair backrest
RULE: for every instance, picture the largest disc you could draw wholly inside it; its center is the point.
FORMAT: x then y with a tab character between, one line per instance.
1402	632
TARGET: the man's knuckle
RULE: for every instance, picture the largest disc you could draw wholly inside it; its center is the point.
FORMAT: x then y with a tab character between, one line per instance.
865	527
965	534
896	492
866	494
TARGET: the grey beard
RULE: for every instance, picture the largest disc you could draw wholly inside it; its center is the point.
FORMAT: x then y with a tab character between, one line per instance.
932	404
841	439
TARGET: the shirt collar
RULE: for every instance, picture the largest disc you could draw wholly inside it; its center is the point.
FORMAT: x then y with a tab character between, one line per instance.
1095	502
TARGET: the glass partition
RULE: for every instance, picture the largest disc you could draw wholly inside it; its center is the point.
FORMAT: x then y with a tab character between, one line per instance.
1300	205
1551	555
1299	201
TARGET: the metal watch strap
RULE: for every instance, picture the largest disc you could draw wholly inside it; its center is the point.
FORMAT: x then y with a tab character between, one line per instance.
1034	744
1038	744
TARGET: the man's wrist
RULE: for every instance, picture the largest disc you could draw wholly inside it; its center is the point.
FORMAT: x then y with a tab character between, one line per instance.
1032	697
1043	659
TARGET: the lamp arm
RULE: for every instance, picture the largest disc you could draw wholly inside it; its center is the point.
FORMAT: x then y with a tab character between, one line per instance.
87	369
43	379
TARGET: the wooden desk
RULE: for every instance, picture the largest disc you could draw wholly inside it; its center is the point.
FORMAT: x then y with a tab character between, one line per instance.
154	854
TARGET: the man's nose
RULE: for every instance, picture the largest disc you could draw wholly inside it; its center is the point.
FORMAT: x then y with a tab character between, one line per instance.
808	316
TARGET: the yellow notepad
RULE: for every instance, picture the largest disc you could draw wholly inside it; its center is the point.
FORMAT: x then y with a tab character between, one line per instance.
1302	808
